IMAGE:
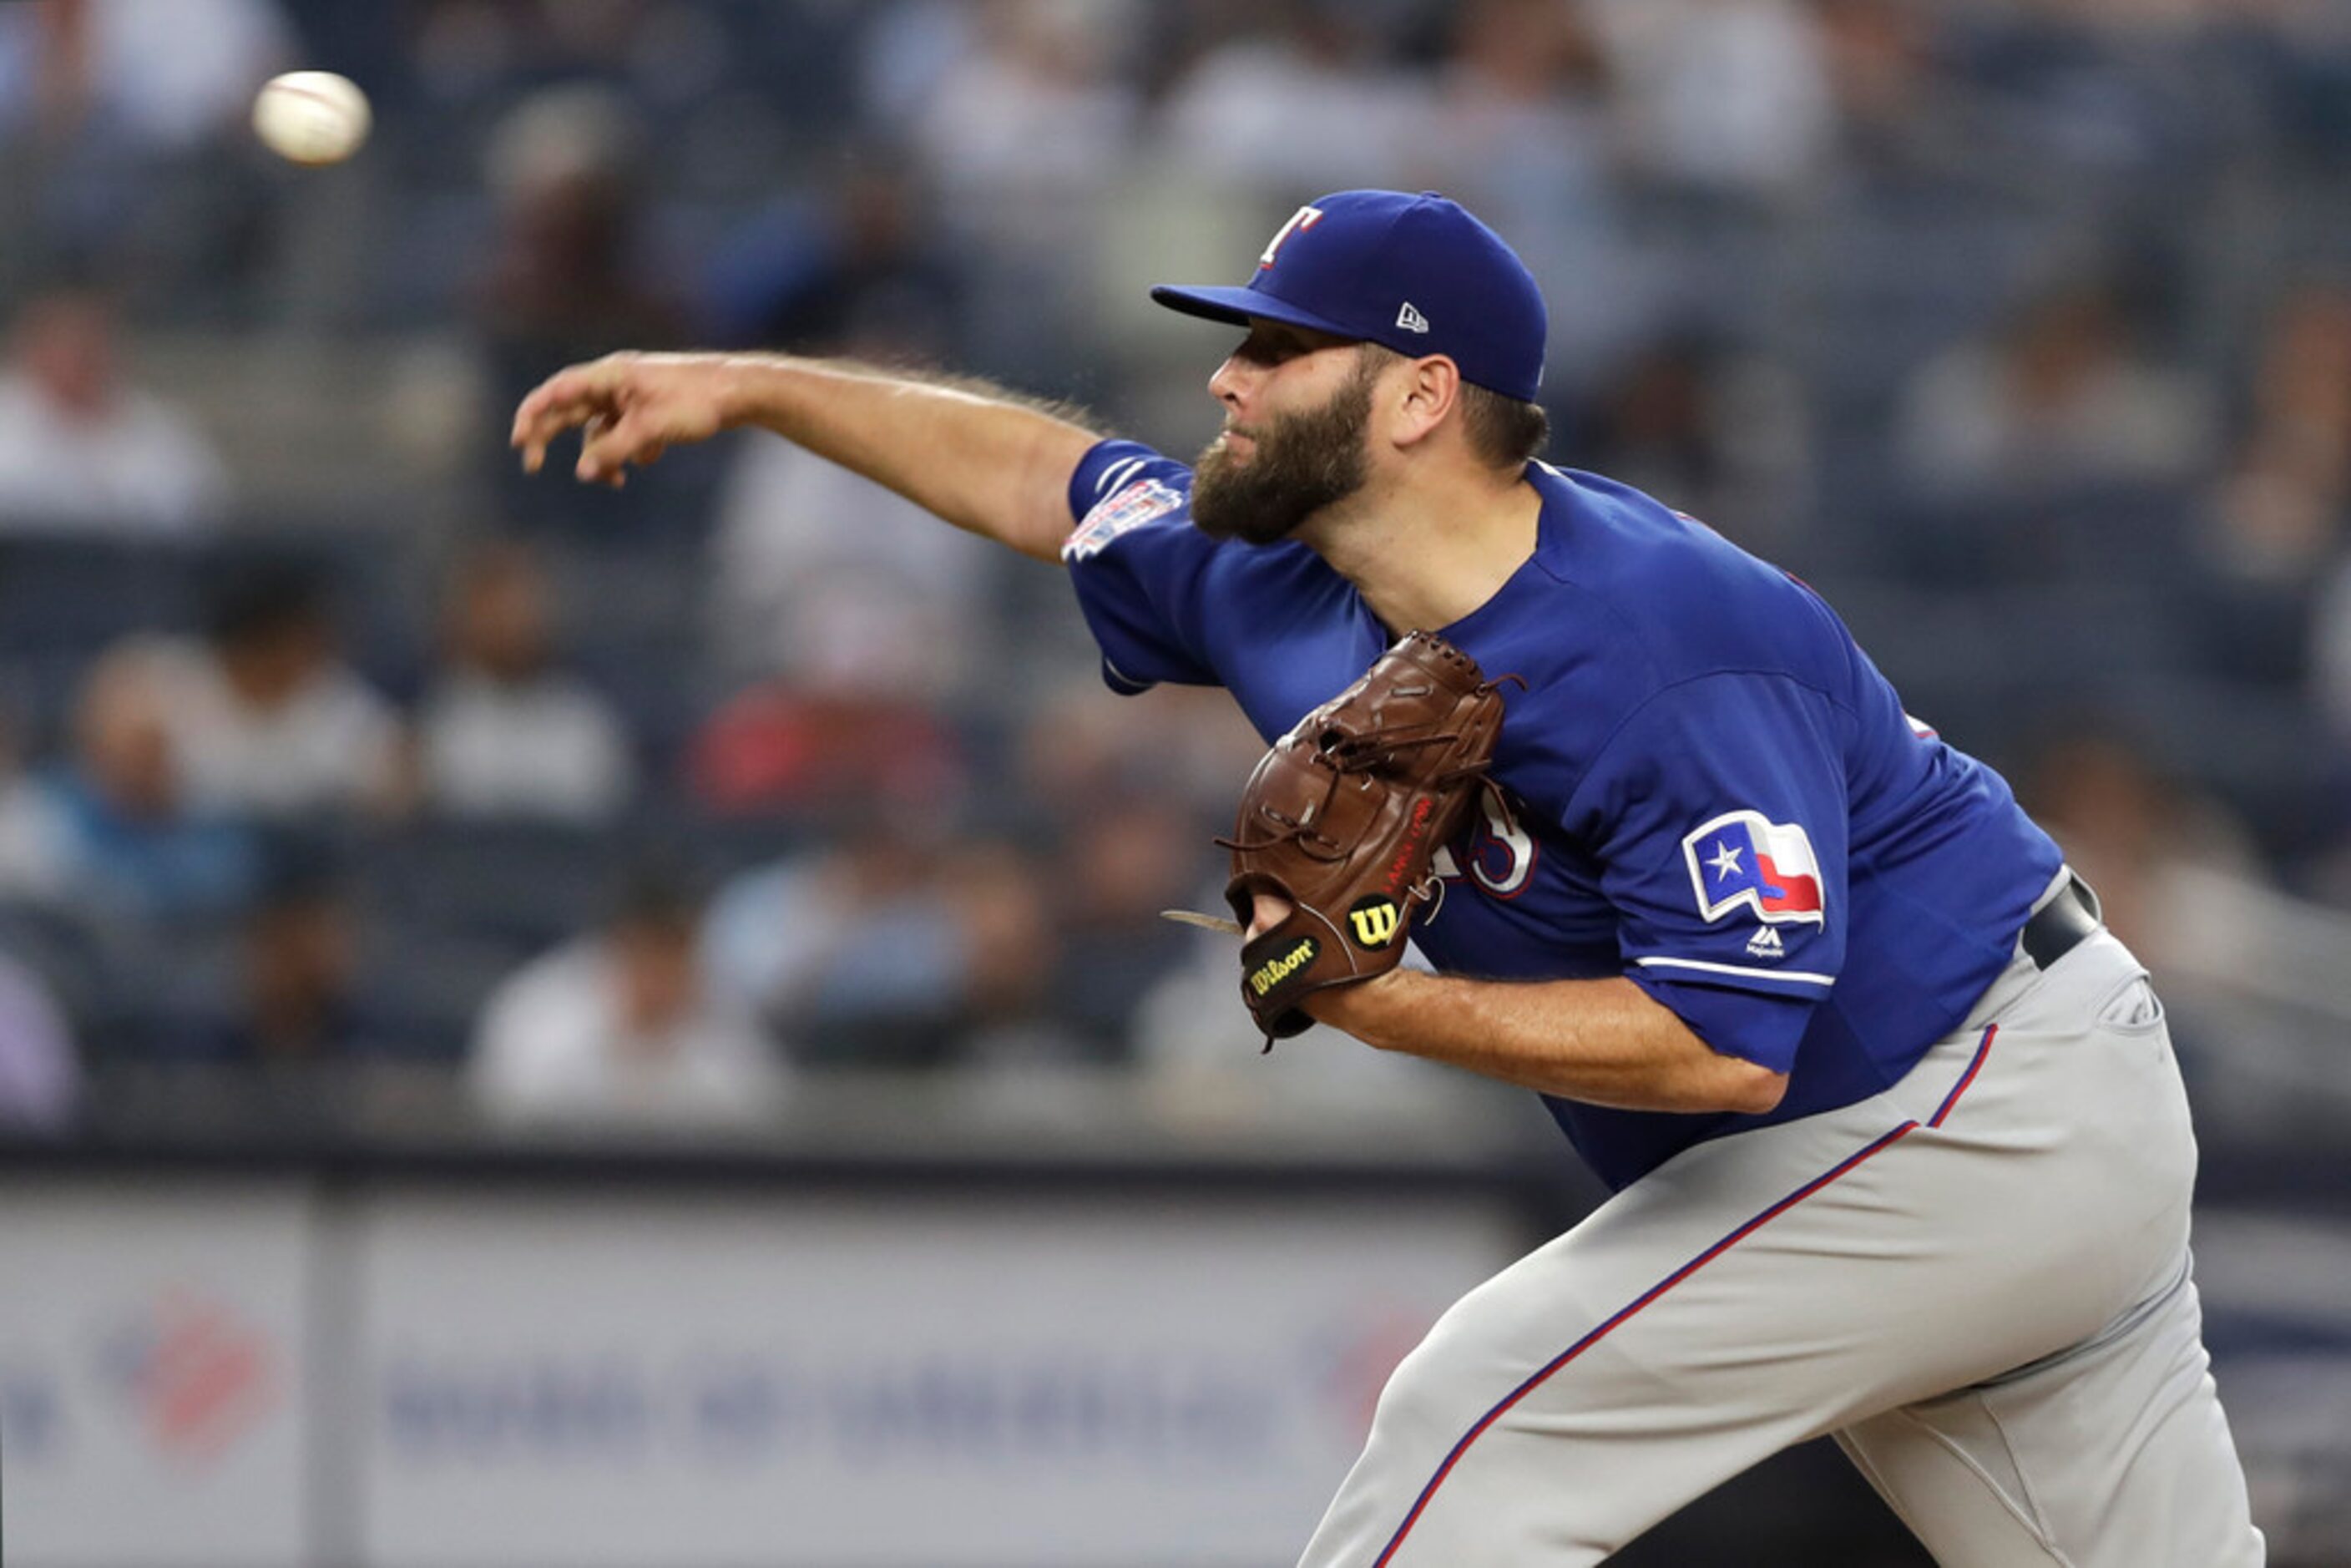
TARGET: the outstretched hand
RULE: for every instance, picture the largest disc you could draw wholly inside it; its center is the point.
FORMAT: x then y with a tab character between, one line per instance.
629	409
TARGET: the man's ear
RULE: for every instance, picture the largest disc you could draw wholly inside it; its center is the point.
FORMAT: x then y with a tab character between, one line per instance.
1428	391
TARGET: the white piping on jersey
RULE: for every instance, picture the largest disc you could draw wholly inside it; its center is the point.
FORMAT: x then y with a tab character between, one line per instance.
1125	679
1118	473
1737	969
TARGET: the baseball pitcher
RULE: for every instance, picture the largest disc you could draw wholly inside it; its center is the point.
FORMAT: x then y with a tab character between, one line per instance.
1898	1148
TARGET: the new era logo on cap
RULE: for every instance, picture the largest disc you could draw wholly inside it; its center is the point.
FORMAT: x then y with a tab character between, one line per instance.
1416	274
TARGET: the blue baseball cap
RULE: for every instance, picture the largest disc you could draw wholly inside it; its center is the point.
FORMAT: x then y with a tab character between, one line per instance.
1414	274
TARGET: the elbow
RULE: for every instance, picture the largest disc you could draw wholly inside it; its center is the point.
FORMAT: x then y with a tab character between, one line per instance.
1749	1089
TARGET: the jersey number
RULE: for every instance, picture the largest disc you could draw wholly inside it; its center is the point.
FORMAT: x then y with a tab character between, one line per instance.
1501	854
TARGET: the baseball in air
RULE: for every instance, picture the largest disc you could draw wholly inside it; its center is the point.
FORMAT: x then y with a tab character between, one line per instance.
311	117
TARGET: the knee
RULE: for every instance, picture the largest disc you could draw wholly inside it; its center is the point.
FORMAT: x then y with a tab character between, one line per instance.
1422	1405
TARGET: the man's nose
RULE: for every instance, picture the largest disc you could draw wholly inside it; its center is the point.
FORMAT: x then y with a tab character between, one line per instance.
1230	383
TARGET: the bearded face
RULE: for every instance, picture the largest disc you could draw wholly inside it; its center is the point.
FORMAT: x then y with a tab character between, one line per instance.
1303	463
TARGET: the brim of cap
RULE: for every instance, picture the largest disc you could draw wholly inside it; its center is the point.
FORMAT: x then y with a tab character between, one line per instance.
1238	306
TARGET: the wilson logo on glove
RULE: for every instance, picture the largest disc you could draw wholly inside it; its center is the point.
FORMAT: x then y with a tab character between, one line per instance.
1376	920
1267	976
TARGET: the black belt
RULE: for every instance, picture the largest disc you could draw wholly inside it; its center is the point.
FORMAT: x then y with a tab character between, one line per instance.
2058	926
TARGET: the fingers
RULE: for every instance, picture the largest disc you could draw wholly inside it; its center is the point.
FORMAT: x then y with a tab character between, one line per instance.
567	399
606	446
1266	912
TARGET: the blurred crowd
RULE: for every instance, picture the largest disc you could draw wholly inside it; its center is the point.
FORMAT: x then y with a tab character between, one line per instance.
2021	328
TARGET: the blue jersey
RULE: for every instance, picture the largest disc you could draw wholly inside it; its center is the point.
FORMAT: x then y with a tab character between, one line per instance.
1705	786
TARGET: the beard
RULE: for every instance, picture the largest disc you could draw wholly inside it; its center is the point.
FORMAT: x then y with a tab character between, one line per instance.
1303	462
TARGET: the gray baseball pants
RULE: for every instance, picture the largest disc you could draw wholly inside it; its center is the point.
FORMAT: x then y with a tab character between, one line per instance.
1978	1281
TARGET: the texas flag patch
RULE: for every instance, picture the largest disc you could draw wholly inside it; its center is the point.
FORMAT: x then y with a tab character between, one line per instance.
1131	507
1744	860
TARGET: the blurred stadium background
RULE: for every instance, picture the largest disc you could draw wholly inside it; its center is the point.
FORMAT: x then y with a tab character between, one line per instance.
545	1025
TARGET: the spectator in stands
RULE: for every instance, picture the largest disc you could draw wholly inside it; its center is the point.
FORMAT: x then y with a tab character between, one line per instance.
40	1074
824	579
502	731
563	167
115	830
1081	753
855	268
292	1002
1722	98
2266	592
1119	865
833	731
2114	98
891	944
80	447
815	570
1081	745
2279	514
1708	428
1023	135
1892	106
266	718
1303	98
620	1027
2064	397
2131	831
568	277
161	76
1521	133
1009	1012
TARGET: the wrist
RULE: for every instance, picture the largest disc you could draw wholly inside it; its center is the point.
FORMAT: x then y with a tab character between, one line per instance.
734	391
1365	1009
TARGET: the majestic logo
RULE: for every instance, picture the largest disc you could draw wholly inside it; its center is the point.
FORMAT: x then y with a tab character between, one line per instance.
1274	971
1765	944
1303	218
1742	860
1411	319
1376	920
1122	513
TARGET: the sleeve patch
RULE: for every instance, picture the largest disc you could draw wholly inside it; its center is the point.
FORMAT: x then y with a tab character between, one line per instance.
1129	509
1742	860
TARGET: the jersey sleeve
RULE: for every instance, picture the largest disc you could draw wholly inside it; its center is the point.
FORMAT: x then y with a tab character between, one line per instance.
1719	816
1138	565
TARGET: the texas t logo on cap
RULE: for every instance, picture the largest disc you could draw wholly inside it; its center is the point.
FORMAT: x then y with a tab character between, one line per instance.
1303	218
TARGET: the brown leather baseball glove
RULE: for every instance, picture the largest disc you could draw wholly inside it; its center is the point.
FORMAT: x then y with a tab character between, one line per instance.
1342	818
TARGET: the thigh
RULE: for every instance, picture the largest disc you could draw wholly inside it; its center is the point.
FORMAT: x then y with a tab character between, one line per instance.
2113	1455
1751	1293
1564	1406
